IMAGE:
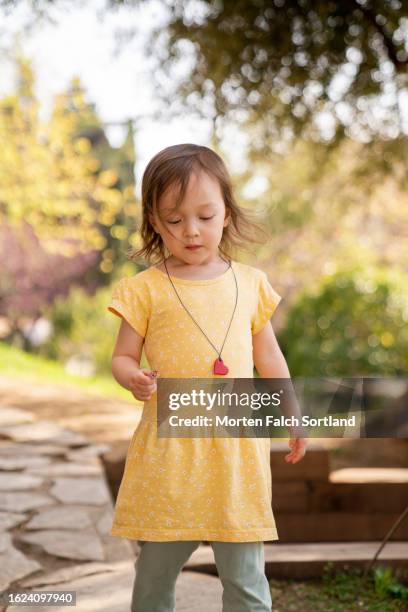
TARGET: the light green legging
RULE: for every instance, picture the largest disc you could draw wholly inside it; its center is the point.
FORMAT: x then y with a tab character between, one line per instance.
240	566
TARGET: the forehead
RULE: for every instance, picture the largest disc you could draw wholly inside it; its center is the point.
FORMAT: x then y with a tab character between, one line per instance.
202	190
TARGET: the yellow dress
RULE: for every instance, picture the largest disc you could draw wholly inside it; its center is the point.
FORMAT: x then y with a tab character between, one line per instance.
204	489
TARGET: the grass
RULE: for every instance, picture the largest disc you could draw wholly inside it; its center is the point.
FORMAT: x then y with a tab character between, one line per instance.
339	591
15	363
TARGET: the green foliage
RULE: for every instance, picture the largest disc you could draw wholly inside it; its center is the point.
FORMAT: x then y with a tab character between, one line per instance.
353	323
376	593
383	579
385	584
337	590
82	327
341	585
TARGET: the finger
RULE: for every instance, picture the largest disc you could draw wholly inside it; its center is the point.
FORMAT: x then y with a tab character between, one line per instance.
142	391
149	373
142	397
139	397
298	456
145	384
294	459
145	375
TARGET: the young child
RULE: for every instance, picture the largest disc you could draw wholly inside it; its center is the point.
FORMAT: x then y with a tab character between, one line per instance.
197	313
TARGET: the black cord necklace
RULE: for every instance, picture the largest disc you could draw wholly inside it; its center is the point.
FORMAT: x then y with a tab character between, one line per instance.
219	365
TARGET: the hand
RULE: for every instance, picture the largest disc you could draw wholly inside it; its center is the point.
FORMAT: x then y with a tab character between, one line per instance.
297	450
143	384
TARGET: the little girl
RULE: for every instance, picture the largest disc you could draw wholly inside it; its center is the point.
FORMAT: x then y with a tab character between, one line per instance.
198	314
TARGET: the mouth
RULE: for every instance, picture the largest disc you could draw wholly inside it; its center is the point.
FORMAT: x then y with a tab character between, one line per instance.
193	247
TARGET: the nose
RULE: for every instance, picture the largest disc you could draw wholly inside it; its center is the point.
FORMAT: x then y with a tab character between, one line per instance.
190	229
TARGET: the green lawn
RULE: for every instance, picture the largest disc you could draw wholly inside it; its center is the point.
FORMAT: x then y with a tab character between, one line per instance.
16	363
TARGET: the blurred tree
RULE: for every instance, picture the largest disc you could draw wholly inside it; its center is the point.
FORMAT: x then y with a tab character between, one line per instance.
115	168
66	202
51	178
321	213
349	323
291	68
32	278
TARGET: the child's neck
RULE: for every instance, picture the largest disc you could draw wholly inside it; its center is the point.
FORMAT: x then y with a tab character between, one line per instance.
205	271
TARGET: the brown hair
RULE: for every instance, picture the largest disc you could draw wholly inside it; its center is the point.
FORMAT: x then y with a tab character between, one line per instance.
173	166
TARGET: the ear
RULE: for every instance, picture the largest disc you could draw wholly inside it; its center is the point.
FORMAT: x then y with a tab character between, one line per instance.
227	218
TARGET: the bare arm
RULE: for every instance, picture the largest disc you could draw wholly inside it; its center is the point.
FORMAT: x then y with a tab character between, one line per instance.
126	354
268	358
270	363
126	363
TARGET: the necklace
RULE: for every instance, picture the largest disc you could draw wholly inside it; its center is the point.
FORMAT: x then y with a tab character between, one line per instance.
219	365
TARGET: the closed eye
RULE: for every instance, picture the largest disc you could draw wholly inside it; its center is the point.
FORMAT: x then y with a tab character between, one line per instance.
202	219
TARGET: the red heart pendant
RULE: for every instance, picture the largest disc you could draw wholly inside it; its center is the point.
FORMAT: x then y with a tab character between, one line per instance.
220	367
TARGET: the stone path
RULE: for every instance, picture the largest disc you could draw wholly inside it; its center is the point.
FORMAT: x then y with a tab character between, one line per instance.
101	419
55	506
55	517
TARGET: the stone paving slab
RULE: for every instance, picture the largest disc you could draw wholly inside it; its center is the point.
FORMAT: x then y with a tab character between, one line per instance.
17	463
22	449
83	544
67	574
13	563
81	490
60	517
11	519
56	510
67	469
112	592
12	416
43	430
17	482
87	452
198	593
20	502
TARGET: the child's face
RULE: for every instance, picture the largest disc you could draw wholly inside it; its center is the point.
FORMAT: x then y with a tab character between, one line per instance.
199	220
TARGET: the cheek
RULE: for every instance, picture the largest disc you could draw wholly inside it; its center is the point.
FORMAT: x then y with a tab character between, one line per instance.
173	235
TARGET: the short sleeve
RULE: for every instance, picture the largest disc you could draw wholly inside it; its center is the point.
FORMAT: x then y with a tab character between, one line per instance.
268	300
130	300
